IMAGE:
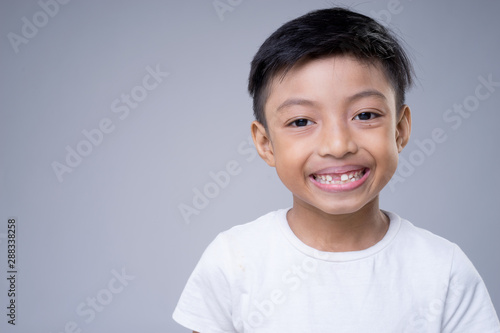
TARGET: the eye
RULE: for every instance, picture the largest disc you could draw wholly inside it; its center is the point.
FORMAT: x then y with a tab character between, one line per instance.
300	122
366	116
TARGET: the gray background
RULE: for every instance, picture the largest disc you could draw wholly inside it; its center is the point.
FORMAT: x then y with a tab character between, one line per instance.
118	210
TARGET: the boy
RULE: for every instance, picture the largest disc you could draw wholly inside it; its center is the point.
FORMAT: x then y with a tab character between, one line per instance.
328	91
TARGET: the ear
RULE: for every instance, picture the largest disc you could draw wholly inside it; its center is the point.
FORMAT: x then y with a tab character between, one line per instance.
263	143
403	127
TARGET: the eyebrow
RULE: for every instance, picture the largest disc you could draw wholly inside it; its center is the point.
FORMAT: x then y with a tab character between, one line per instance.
295	101
357	96
366	93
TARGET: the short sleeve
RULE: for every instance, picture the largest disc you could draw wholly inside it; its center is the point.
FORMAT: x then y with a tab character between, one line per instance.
205	303
468	306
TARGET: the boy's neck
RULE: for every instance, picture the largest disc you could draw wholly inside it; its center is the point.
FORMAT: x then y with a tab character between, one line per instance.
339	233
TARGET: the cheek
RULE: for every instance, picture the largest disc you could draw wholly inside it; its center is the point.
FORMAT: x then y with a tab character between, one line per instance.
389	156
289	160
384	149
392	163
284	158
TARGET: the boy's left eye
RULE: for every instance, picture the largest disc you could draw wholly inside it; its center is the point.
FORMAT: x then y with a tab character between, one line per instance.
300	122
366	116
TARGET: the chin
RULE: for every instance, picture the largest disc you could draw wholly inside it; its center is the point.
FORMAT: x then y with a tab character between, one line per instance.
343	207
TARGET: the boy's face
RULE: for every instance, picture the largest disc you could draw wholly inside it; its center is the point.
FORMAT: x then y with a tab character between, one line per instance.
333	133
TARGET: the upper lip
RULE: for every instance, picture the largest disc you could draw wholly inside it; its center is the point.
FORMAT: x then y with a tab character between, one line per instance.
338	169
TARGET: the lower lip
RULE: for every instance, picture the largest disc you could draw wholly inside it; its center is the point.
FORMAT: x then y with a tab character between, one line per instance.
341	187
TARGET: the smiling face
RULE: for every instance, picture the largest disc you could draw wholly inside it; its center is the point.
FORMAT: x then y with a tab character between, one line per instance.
333	133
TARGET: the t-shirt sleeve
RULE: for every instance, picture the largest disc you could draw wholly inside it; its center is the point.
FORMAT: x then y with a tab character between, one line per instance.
468	306
205	303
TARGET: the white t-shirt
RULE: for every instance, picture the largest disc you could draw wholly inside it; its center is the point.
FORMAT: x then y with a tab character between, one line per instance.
259	277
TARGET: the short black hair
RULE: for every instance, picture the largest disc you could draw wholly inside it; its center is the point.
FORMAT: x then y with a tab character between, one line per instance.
322	33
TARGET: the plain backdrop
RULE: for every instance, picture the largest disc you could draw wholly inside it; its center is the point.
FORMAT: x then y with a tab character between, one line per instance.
151	97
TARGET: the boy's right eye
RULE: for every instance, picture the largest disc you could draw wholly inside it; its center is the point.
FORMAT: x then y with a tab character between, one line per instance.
300	122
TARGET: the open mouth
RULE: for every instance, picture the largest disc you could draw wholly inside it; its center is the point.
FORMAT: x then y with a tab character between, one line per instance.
340	178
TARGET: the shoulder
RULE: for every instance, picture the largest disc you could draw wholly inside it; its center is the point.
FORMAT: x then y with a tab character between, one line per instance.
421	241
251	238
257	232
428	254
264	223
435	261
425	249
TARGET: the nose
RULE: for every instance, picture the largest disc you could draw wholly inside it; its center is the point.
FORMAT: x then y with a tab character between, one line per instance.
336	140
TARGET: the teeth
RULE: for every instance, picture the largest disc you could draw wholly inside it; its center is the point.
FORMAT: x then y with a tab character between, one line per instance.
344	178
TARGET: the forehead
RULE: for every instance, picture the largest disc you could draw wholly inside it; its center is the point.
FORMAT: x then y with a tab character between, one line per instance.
330	80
